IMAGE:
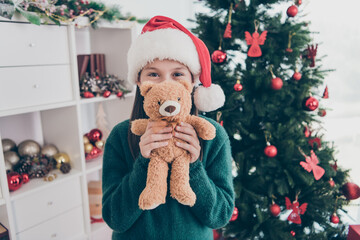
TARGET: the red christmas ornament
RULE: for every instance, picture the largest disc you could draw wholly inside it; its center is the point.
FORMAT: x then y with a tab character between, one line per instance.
296	76
312	50
351	191
292	233
255	40
289	50
334	166
222	123
298	2
95	152
216	234
14	181
275	209
120	94
315	140
297	210
311	164
218	56
322	112
270	151
334	219
106	94
276	83
227	33
94	135
238	87
235	214
307	132
326	93
25	177
292	11
311	103
332	182
88	94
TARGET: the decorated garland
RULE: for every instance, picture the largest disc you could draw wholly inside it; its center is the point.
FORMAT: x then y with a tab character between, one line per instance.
62	11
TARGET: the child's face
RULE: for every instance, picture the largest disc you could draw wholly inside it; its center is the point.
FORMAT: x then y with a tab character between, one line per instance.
162	70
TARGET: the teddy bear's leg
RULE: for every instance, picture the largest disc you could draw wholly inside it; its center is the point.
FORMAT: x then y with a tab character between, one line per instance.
155	191
179	181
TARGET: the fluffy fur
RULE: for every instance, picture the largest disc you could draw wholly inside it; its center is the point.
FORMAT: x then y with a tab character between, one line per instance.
155	95
151	45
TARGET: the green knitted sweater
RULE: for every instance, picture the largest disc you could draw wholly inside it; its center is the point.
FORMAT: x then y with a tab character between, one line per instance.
124	179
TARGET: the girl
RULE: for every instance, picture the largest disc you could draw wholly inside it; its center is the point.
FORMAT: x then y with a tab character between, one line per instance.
166	51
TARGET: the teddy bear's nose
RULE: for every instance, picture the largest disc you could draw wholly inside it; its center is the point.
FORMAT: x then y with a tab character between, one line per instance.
170	109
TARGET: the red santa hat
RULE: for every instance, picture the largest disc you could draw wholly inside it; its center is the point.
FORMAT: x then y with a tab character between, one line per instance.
164	38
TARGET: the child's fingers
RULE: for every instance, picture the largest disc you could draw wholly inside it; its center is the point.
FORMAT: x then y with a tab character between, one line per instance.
187	129
187	138
155	138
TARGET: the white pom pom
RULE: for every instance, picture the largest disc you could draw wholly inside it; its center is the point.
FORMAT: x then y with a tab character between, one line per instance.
210	98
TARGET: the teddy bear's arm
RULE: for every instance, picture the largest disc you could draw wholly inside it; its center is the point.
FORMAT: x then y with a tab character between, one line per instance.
138	127
204	128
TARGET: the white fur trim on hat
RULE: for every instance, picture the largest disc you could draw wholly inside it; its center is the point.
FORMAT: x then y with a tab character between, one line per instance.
210	98
162	44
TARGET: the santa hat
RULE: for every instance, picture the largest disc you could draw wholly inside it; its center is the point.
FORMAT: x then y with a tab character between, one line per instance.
164	38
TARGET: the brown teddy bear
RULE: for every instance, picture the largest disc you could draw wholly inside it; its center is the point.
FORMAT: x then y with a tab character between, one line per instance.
169	101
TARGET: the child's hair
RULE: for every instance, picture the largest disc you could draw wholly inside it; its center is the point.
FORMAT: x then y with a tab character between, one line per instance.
137	113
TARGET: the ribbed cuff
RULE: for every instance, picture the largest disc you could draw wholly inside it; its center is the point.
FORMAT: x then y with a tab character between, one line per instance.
144	162
195	167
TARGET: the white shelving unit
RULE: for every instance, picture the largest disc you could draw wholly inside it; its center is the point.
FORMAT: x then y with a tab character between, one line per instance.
40	100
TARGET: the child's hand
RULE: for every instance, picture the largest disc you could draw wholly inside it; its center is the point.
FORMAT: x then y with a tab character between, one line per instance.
155	136
187	133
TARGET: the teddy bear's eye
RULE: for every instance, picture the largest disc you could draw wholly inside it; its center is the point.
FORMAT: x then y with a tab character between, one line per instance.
159	102
178	99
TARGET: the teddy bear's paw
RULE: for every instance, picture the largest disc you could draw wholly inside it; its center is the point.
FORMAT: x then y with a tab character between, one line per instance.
149	200
185	196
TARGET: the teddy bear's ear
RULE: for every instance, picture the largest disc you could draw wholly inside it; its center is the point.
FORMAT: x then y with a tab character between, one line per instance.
145	88
187	85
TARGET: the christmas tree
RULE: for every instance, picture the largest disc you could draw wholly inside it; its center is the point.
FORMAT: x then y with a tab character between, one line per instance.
287	184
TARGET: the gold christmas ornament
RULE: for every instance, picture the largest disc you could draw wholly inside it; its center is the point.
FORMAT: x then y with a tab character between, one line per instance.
100	144
88	147
8	166
61	158
28	148
49	150
85	139
8	145
11	157
50	177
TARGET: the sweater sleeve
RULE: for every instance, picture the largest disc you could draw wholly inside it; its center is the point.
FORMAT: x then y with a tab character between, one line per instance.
213	187
121	188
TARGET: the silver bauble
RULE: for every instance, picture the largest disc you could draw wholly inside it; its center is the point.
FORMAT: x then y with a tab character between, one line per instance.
49	150
8	166
12	157
8	145
28	148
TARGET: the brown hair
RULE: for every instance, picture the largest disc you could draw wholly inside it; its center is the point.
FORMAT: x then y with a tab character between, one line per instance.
138	113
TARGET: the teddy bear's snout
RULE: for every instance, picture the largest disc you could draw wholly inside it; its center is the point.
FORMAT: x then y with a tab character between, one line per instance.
169	108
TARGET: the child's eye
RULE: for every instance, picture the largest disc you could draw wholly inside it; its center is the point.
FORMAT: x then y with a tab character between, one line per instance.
178	74
179	99
153	74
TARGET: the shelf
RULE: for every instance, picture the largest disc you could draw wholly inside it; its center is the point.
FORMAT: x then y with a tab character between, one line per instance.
2	201
36	108
99	226
39	184
94	165
103	99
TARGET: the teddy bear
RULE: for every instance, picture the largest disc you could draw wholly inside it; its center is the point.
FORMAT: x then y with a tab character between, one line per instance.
169	101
